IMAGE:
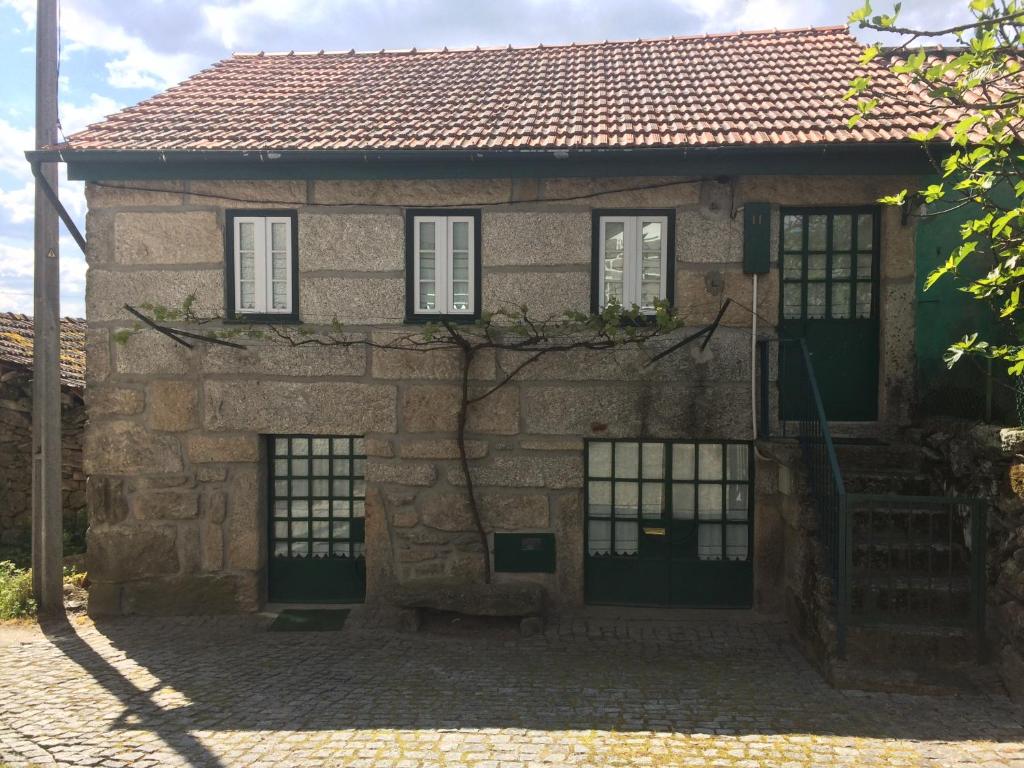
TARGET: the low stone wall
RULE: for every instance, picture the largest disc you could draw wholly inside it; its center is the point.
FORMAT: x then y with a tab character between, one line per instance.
16	460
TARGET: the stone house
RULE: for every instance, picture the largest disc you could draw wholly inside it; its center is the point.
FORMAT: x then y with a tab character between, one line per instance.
387	189
16	339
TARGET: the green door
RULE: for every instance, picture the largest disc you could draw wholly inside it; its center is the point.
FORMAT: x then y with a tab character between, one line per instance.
829	264
317	496
669	523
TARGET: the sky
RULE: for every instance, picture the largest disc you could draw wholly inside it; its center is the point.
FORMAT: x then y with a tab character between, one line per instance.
112	58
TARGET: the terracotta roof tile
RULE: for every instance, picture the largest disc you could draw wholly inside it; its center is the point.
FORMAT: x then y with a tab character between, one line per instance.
16	336
753	88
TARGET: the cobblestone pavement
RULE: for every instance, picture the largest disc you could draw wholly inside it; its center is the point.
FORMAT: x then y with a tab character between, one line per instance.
592	692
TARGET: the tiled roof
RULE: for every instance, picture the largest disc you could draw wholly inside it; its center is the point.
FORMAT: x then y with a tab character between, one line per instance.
16	334
748	88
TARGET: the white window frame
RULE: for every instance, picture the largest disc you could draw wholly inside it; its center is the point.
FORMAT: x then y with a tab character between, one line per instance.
263	293
632	264
443	265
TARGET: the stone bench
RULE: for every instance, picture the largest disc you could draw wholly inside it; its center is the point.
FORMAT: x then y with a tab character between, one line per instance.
525	601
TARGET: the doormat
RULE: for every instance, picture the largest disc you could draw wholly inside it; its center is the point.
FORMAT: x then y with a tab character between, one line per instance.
310	620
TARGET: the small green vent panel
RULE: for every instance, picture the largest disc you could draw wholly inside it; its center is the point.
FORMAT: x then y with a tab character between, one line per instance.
757	235
524	552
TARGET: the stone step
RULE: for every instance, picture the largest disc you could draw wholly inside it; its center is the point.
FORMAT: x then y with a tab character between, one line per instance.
921	680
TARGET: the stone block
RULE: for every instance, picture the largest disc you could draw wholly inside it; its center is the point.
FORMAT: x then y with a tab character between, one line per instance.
434	408
514	512
214	505
366	299
191	595
280	359
568	524
172	405
99	235
439	448
535	238
190	548
704	237
107	291
341	408
520	599
379	447
147	352
223	448
268	194
212	538
124	553
616	364
178	237
114	401
547	295
608	410
210	474
641	191
126	448
402	472
445	511
113	194
104	599
410	192
244	529
165	505
553	443
356	242
380	557
106	500
544	471
409	364
97	355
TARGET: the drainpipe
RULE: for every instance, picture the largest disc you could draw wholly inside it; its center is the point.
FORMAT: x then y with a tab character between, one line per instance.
753	361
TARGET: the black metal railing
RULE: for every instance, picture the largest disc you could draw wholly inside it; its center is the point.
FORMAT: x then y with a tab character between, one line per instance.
890	558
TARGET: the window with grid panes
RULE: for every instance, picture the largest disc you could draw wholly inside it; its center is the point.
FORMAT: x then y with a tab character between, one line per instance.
443	263
828	263
632	258
261	263
317	491
633	482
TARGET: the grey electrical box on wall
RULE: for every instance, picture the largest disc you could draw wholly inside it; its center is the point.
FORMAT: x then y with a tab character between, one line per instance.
757	236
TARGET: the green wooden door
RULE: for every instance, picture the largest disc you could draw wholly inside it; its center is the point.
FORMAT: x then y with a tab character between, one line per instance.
829	263
669	523
317	496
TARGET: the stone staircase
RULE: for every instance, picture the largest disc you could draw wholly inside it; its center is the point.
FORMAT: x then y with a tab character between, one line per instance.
911	614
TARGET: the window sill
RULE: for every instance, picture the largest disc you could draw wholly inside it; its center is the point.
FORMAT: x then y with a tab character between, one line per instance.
263	319
455	319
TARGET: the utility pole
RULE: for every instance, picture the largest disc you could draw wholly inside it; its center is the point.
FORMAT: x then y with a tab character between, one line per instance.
47	507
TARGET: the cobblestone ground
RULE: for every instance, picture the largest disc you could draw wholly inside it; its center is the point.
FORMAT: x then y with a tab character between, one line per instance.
591	692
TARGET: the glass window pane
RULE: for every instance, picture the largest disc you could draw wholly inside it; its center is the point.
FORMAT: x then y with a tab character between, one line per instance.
340	446
652	237
599	537
280	549
300	549
357	446
710	462
280	446
321	467
652	499
321	446
300	487
340	549
626	534
737	501
246	236
817	231
864	299
709	501
281	508
321	529
816	266
683	455
683	501
460	235
600	498
650	295
281	467
793	233
793	266
736	542
341	488
792	307
321	488
841	300
341	466
321	548
614	255
300	529
864	264
340	529
320	508
280	487
599	462
358	508
816	300
358	467
278	236
300	467
840	266
247	266
300	446
737	461
627	499
428	239
300	509
614	236
865	232
842	231
709	542
627	459
280	530
653	460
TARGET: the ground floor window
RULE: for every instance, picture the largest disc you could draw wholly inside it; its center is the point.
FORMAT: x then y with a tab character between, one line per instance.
317	499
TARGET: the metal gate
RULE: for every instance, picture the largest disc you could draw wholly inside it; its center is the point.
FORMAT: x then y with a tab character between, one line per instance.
669	523
317	496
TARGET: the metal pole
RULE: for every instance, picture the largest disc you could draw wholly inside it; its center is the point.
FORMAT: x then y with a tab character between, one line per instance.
47	512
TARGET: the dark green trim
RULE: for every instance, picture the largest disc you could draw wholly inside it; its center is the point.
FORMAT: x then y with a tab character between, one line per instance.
815	159
595	250
229	267
411	316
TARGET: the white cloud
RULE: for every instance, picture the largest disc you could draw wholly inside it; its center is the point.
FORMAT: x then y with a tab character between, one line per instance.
16	271
231	23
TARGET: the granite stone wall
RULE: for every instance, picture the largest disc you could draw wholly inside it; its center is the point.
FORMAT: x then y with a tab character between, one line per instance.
173	447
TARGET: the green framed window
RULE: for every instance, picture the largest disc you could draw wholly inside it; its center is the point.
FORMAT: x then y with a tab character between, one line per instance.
318	493
829	259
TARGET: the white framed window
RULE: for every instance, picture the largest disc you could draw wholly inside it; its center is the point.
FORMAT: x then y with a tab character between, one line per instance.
263	261
632	256
444	263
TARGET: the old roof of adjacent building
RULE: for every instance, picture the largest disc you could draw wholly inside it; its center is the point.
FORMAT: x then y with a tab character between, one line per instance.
748	88
16	335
